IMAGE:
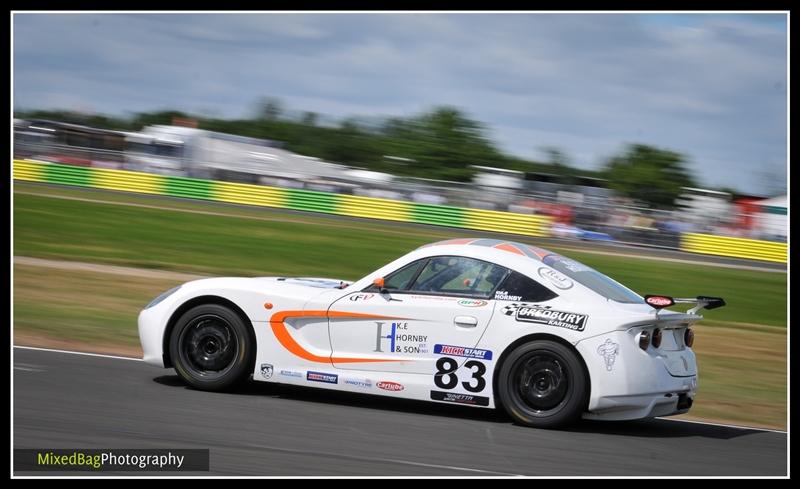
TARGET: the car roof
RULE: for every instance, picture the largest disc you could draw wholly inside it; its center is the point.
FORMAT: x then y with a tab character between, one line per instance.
514	247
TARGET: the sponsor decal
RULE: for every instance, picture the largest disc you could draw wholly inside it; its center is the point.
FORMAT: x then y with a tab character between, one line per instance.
267	370
531	313
609	351
322	377
434	298
472	303
290	373
571	265
390	386
556	278
462	351
460	398
363	383
502	295
399	339
659	301
446	376
361	297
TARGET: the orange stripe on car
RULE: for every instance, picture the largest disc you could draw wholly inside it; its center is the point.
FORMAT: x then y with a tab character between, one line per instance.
539	252
276	321
509	247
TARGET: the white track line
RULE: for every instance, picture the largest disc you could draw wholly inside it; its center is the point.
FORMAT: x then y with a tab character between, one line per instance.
26	369
139	360
377	459
77	353
721	425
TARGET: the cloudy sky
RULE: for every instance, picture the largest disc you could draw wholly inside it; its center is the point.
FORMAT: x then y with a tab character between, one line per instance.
710	86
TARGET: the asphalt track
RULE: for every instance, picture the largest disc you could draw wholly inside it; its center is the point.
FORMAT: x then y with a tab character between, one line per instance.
64	400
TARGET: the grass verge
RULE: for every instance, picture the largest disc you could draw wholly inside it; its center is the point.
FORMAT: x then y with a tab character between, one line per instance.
234	241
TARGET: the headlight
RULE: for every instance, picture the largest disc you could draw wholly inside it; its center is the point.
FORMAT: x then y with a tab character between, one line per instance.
161	297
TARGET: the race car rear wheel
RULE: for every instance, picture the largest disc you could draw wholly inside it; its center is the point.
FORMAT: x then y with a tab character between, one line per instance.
543	384
212	348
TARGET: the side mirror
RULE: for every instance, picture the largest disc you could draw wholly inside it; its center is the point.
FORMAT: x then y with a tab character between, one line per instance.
379	283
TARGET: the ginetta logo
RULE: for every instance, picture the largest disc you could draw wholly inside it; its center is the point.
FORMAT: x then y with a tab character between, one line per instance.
267	370
390	386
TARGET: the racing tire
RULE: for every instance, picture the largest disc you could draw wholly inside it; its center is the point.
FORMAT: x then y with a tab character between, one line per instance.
543	384
212	348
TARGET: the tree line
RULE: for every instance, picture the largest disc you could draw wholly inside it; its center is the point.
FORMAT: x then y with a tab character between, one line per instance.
441	143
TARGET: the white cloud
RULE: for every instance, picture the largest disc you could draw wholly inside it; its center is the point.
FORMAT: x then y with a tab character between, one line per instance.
711	86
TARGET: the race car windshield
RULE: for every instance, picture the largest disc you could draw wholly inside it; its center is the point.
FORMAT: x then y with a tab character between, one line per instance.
594	280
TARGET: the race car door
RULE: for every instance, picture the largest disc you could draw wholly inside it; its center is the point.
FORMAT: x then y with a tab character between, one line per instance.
432	305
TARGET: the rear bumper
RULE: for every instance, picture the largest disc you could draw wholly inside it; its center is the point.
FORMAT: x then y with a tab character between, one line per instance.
617	408
635	383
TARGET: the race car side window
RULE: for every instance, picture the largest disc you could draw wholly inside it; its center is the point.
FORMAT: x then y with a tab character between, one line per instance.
400	279
518	287
458	276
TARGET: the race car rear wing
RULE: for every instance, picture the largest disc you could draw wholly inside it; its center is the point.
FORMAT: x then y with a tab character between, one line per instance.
701	301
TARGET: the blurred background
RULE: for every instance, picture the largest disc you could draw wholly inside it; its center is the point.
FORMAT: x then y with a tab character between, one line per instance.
644	195
625	131
632	128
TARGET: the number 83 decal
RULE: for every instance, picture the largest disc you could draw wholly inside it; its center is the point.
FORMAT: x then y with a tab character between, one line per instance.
446	378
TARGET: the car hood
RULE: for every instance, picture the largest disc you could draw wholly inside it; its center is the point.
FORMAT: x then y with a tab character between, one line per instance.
251	293
314	282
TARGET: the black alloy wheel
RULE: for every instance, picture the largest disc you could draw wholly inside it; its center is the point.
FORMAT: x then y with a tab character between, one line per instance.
212	348
543	384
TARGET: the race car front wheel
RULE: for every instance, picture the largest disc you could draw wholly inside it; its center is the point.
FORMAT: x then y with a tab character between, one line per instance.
543	384
212	348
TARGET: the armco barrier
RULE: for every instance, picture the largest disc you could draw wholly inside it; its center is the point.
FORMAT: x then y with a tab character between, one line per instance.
304	200
735	247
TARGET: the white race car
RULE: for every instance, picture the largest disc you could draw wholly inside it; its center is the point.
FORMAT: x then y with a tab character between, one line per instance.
478	322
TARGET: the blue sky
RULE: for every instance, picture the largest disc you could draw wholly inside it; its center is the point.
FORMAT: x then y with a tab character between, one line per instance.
712	86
